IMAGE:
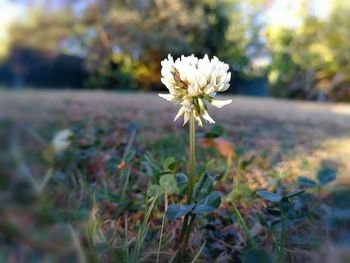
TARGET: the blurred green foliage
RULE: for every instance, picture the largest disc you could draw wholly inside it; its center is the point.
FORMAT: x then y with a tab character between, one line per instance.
312	61
123	41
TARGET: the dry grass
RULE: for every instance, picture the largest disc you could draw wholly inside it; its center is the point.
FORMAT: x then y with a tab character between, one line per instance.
306	132
324	115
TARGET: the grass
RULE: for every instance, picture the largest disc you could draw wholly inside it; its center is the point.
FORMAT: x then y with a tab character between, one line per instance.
91	203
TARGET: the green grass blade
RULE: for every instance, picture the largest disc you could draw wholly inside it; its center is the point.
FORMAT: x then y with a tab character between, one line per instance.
243	224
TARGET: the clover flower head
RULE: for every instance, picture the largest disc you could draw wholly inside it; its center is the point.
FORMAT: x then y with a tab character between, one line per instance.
193	83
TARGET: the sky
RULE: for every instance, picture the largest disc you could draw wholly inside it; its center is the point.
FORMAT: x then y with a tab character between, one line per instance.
9	12
13	10
282	12
286	13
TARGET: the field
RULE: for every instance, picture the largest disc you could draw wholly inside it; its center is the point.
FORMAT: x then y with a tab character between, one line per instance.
93	202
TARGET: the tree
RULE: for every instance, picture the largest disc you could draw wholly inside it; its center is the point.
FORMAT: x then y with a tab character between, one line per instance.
313	61
124	41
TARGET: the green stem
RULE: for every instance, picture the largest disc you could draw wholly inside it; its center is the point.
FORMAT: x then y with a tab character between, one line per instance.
238	176
190	171
126	239
243	224
162	228
190	227
228	168
191	159
126	177
184	228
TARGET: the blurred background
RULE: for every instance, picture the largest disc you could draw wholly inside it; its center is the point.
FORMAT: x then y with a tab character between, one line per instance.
83	133
290	48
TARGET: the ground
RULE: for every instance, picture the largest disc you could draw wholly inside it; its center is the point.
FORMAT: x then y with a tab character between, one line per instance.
274	142
310	131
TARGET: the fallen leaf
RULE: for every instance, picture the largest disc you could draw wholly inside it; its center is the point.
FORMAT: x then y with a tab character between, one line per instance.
223	146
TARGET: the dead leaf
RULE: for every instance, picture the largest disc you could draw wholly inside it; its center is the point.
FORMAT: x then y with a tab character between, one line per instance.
122	166
223	146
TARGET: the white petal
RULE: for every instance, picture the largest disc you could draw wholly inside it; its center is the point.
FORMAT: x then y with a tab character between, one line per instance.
186	117
179	113
220	103
209	89
207	117
201	105
199	120
168	97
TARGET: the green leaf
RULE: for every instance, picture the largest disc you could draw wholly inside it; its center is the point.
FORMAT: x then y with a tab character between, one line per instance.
168	184
154	190
285	204
176	211
215	132
181	179
147	169
149	159
296	193
169	163
204	186
257	255
306	182
213	199
208	204
326	175
272	197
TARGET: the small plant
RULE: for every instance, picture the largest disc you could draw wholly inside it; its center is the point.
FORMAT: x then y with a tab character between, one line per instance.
142	231
280	207
193	83
325	175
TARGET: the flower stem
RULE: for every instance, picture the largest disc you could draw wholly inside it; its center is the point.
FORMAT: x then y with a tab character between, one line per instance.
190	171
191	159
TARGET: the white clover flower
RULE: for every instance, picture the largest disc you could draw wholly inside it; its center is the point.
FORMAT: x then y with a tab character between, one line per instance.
193	82
61	140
